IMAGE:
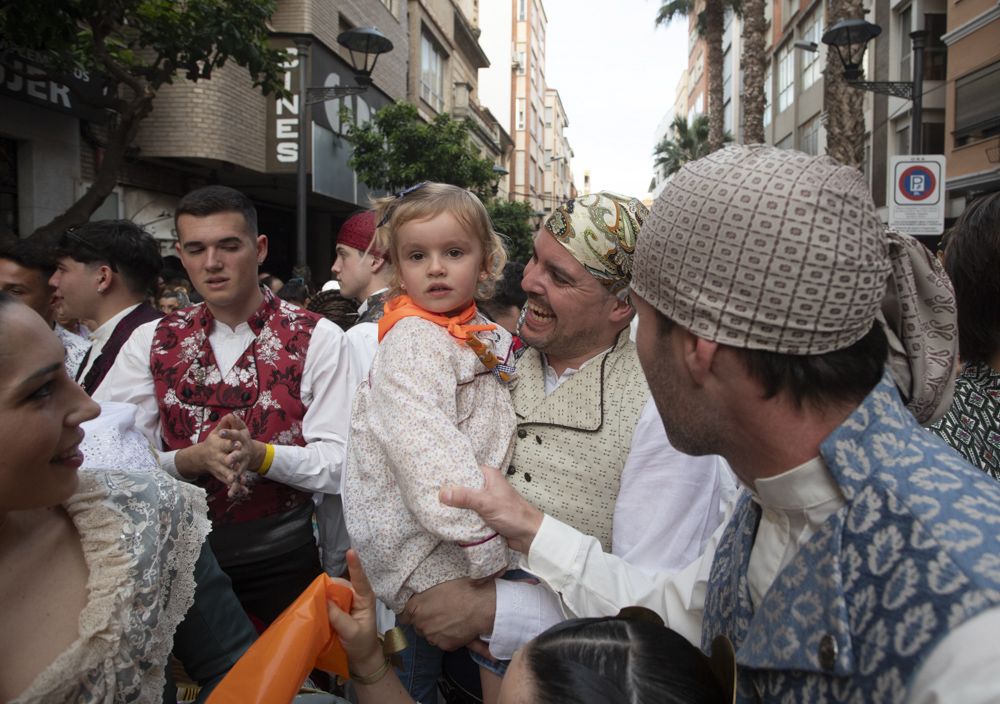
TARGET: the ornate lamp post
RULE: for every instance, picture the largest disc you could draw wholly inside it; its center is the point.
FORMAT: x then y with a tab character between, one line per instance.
365	44
850	39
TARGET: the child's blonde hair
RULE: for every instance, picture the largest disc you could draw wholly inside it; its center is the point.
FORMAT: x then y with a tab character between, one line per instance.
426	201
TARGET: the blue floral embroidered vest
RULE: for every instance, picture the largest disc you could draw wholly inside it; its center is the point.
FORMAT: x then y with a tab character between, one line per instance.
912	555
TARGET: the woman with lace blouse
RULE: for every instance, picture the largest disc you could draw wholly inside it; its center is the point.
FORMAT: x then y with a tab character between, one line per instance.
102	574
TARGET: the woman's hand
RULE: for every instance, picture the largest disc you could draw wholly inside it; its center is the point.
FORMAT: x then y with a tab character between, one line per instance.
357	630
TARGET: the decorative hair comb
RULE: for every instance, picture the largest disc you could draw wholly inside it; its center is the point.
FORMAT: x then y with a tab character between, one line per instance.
399	194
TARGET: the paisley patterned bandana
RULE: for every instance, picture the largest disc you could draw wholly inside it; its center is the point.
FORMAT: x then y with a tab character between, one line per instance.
600	230
772	249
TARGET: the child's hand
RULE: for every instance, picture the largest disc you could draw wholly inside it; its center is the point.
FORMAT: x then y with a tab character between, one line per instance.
357	630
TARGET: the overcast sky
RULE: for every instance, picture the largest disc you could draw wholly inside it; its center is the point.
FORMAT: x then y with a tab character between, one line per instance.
616	74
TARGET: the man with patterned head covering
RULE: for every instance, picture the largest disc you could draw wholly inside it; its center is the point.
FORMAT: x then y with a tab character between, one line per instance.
782	327
590	448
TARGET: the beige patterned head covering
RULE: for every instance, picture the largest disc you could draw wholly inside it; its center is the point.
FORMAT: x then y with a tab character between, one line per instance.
599	230
772	249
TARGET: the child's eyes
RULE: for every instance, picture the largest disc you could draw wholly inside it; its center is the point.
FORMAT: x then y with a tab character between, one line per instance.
455	252
416	256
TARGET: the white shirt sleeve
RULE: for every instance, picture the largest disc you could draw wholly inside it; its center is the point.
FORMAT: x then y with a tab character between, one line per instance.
591	582
362	342
668	506
959	670
130	380
328	386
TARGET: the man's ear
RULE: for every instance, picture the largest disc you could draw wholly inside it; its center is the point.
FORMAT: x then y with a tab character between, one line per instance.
261	245
376	263
104	276
622	311
699	356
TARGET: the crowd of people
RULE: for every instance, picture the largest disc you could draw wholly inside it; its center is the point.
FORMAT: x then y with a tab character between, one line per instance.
743	446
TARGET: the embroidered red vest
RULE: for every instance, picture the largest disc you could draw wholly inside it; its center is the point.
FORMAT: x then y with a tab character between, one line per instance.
262	389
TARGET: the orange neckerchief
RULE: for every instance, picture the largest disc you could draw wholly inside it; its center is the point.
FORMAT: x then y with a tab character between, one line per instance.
400	307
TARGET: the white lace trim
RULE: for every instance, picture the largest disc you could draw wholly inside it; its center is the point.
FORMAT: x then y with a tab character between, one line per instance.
141	535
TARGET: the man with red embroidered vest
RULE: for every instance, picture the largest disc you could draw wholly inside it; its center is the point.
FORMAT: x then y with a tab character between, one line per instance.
245	396
106	269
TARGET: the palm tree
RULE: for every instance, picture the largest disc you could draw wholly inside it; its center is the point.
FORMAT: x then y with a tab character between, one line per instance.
844	105
686	143
754	63
711	24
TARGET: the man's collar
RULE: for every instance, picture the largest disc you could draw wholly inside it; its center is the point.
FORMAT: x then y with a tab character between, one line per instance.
102	332
366	304
256	321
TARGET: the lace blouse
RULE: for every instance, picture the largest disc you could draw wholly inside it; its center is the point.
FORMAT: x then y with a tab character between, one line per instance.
141	535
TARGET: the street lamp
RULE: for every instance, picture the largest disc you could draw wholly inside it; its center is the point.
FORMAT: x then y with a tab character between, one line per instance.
498	173
850	39
365	44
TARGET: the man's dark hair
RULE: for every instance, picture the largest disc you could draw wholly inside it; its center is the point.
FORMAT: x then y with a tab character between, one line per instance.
211	200
820	380
972	260
121	244
30	252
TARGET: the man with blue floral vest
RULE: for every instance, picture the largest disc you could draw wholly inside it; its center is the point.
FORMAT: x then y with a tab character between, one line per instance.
783	328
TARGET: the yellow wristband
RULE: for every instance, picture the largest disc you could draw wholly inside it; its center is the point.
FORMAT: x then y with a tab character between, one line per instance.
268	459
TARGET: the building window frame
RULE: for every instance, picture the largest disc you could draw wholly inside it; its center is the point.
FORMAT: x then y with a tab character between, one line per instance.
786	77
432	68
812	65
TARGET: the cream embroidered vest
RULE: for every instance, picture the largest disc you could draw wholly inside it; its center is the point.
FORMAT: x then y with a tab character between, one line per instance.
571	445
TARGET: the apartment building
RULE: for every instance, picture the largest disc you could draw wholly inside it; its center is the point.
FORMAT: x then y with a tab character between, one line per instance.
972	101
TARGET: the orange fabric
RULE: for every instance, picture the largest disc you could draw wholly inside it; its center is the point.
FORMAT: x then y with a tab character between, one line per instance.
400	307
300	639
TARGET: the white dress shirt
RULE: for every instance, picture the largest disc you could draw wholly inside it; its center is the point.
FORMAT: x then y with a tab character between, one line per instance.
327	387
99	338
668	506
794	505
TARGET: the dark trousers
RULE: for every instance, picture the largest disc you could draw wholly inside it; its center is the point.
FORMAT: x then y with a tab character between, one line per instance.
266	587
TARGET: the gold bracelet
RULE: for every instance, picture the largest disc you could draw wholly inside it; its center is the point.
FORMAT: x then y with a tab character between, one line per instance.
372	678
268	459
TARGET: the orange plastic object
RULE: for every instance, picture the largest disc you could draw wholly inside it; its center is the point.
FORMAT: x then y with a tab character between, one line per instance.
300	639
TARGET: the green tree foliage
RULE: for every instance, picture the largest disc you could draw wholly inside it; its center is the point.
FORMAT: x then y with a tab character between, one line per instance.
136	47
685	143
396	149
512	219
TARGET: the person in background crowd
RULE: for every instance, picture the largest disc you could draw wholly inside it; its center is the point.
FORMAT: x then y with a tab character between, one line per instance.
364	273
172	299
590	446
972	260
270	281
245	396
25	268
506	304
862	565
105	271
335	308
296	290
102	574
